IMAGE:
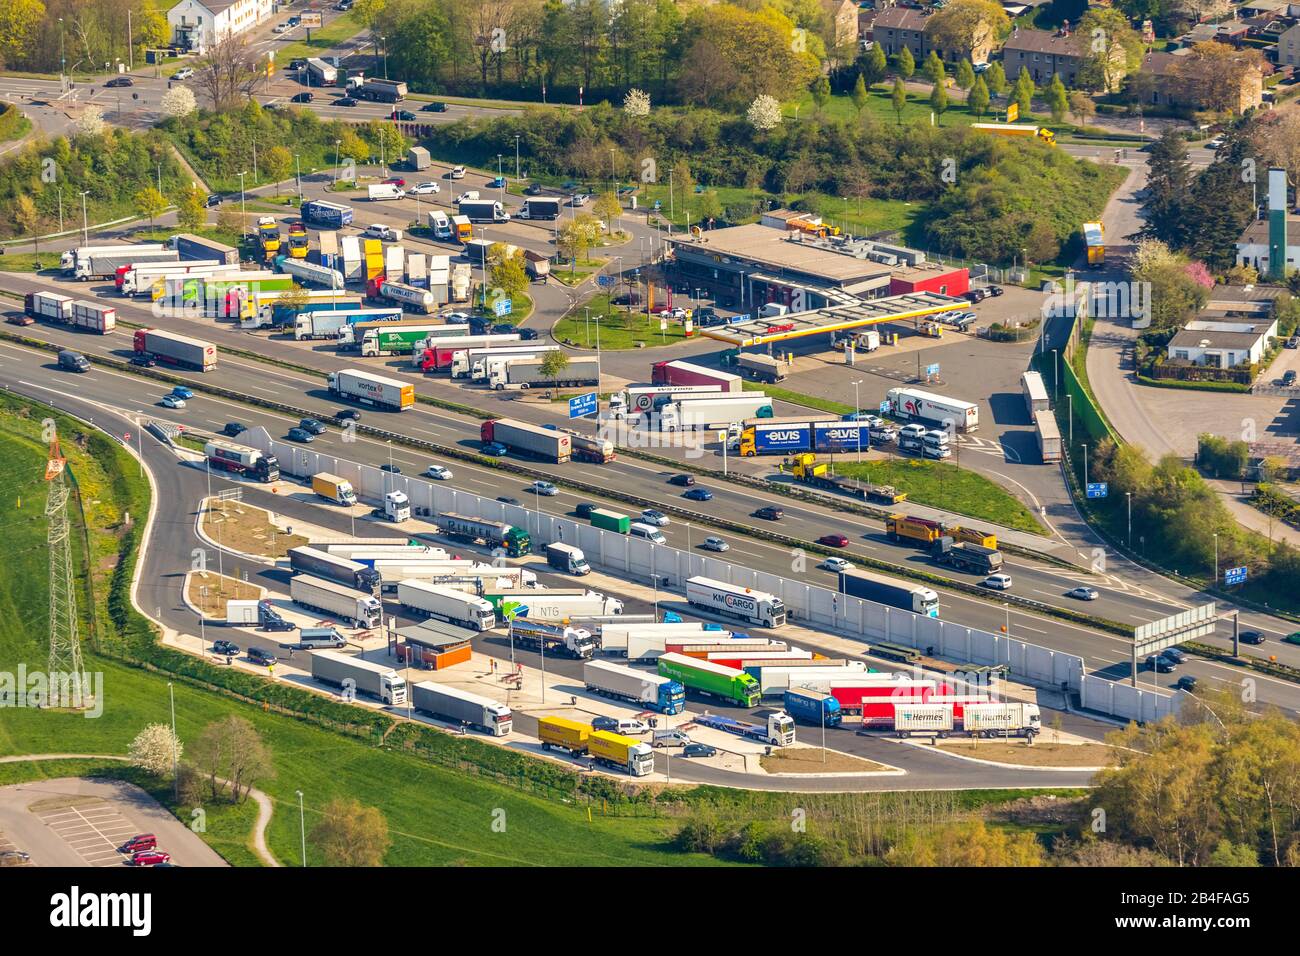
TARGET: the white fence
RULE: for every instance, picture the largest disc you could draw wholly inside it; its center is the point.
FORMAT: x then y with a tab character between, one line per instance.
808	604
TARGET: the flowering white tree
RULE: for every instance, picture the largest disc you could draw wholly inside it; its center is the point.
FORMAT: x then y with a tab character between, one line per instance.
636	103
155	749
178	102
91	121
764	113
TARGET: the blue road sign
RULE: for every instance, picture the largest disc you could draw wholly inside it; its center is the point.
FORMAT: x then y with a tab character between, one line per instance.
885	407
606	282
932	369
1234	576
504	305
582	405
1098	489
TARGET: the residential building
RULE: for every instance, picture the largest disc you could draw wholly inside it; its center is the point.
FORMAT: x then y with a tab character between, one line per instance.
1044	53
1288	47
843	17
1168	89
898	27
1222	344
198	24
1253	246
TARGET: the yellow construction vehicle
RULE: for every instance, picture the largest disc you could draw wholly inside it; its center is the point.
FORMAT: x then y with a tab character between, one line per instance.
806	469
927	531
268	234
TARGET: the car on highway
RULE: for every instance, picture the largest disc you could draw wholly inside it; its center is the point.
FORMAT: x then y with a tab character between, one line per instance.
1251	637
233	429
685	481
584	509
1292	638
834	540
998	582
698	494
224	648
1082	594
404	116
1160	664
306	96
345	101
423	189
173	401
437	106
699	750
139	358
312	425
438	473
182	391
214	199
836	564
349	413
391	469
544	488
149	858
533	189
139	842
397	181
457	172
770	513
1187	682
300	435
495	449
1175	655
509	500
715	544
655	517
119	81
183	74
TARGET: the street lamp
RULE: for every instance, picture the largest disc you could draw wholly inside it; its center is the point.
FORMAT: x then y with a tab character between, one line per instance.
302	827
516	156
297	176
336	159
176	757
857	407
1216	557
242	222
1128	496
85	225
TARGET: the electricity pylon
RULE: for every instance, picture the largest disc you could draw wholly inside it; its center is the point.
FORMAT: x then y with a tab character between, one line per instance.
65	644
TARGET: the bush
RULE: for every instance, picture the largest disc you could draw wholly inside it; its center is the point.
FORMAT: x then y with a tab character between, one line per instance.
1221	458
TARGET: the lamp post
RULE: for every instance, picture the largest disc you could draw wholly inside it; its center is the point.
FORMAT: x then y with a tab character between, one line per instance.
242	223
857	407
85	225
1216	557
516	156
655	579
176	758
1128	496
297	176
336	159
302	827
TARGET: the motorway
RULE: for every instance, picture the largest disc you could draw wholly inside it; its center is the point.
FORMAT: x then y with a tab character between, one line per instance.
178	487
1105	653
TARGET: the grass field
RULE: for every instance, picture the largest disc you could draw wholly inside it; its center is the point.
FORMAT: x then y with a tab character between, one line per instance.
947	486
27	262
613	328
338	30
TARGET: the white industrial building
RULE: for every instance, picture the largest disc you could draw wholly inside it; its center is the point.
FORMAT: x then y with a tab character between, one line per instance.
1222	344
197	24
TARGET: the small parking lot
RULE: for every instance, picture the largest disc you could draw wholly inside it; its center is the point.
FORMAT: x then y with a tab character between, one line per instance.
11	854
91	826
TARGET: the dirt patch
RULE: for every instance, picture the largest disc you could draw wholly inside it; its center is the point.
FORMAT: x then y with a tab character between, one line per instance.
1039	755
248	529
816	760
63	803
209	592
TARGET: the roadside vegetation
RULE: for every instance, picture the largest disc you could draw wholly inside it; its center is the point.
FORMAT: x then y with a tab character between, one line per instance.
599	322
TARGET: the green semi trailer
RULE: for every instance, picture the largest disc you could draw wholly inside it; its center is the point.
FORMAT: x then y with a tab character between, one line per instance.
705	677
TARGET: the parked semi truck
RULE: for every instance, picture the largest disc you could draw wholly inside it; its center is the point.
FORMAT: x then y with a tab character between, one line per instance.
529	373
873	587
339	600
242	460
379	343
493	534
778	731
788	436
271	311
567	558
563	734
341	324
196	247
139	279
309	273
418	300
333	488
447	604
361	335
986	719
619	752
746	604
69	259
331	214
700	411
558	604
370	389
103	263
615	633
540	207
483	210
172	349
439	355
305	559
463	707
713	680
356	675
679	372
913	404
522	437
641	399
557	640
813	707
642	688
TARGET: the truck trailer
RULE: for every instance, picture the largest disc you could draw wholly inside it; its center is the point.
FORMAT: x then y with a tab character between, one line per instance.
615	634
242	460
370	389
309	273
483	210
354	675
679	372
567	558
808	434
713	680
446	604
557	640
524	438
439	355
913	404
730	600
694	412
642	688
330	597
540	207
762	368
874	587
333	488
563	734
93	317
621	753
331	214
196	247
305	559
418	300
68	260
463	707
530	373
493	534
558	604
778	731
172	349
48	305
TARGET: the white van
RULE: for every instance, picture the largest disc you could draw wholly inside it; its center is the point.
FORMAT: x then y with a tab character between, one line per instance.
649	532
669	738
440	224
378	191
631	727
934	444
911	437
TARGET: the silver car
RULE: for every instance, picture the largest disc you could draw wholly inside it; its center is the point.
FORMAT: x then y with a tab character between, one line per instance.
715	544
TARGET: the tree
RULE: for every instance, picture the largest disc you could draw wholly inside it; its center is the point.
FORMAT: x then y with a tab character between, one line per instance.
709	206
859	94
351	835
873	66
577	236
969	843
230	753
932	69
965	78
293	299
978	98
965	26
1211	76
20	21
1275	134
995	78
939	101
764	113
898	99
905	63
1058	103
191	214
227	72
607	208
277	163
150	202
178	102
1169	182
821	92
1082	106
91	121
636	103
734	54
1023	94
1114	49
25	215
230	219
155	750
553	365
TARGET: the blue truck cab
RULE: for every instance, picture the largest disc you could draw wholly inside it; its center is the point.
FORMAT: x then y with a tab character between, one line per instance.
812	707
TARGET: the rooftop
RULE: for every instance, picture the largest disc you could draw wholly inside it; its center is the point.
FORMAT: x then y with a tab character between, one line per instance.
1257	232
902	18
782	251
1046	42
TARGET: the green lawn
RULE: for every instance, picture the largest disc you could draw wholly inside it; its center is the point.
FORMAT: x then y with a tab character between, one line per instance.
323	39
27	262
948	486
613	327
880	105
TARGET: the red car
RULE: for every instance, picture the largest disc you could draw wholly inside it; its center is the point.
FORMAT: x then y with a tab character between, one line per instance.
834	540
397	181
149	858
141	841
